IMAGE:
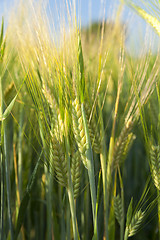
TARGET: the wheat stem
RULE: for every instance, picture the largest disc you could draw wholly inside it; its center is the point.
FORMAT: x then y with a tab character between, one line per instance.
90	166
2	166
158	194
8	185
20	137
70	185
126	233
103	160
122	197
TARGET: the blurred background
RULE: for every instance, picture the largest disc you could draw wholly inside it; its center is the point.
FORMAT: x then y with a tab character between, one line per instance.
93	11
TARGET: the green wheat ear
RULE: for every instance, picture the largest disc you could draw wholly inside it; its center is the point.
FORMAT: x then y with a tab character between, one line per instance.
93	131
155	165
118	209
76	172
133	221
59	161
123	144
136	222
79	131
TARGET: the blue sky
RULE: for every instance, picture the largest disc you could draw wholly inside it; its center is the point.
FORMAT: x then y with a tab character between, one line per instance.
93	10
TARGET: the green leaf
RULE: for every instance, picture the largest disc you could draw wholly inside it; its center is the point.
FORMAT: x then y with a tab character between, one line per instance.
8	109
111	225
2	30
2	50
81	68
129	212
21	214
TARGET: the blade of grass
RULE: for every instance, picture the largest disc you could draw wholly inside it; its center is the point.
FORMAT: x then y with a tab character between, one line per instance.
97	204
2	32
122	197
2	163
20	137
2	192
17	187
7	173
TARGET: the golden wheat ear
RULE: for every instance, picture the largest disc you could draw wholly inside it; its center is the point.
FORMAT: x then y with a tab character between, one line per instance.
152	20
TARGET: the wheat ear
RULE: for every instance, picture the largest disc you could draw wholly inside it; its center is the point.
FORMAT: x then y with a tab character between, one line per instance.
76	172
123	144
59	161
153	21
79	131
118	209
93	131
135	223
155	165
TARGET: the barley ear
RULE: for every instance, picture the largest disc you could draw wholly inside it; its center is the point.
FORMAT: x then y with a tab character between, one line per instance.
123	144
153	21
59	128
155	165
135	223
76	172
79	131
59	161
48	96
129	217
93	131
118	209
